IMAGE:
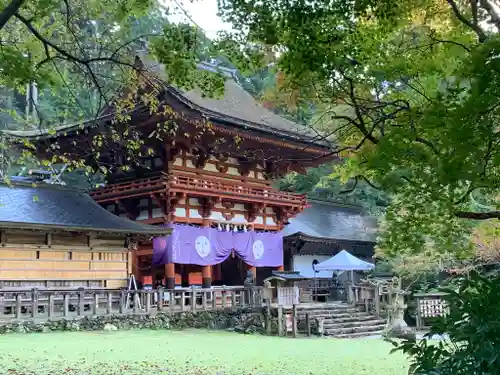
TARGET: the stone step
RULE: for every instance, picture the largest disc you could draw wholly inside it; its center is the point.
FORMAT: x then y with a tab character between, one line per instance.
361	329
353	315
346	310
357	335
353	324
349	318
326	307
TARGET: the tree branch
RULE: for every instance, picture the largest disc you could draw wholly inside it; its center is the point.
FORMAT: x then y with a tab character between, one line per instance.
495	18
9	11
474	27
478	215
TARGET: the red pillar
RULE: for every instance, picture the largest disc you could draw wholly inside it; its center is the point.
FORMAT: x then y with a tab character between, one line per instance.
206	271
206	276
170	275
253	270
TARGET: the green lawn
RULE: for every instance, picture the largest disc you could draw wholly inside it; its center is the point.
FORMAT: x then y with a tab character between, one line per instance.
192	353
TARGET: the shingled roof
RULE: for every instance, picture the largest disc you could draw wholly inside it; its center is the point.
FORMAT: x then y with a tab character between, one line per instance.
53	207
240	108
325	220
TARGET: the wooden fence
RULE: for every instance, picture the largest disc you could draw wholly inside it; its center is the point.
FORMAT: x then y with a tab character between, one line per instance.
54	304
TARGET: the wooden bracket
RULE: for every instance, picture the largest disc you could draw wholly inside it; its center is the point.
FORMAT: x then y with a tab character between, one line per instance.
253	209
130	207
207	204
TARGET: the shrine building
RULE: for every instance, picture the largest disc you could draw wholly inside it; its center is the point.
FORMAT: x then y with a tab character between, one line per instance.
322	231
55	237
209	177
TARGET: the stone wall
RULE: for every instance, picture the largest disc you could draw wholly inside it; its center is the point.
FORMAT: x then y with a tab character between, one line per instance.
243	320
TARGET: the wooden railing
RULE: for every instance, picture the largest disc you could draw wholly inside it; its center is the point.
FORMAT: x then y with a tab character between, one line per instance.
205	186
201	185
54	304
368	296
130	188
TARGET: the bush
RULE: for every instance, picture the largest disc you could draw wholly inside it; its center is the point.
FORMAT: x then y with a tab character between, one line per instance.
470	332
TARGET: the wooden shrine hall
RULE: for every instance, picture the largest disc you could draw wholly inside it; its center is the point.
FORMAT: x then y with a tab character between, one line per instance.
323	230
208	176
56	237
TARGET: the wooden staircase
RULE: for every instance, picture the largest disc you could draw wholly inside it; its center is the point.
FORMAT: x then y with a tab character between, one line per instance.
340	320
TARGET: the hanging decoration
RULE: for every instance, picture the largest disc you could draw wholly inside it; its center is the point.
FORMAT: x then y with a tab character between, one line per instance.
207	246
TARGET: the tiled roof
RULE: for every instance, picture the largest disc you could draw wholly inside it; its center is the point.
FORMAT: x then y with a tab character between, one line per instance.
324	220
44	207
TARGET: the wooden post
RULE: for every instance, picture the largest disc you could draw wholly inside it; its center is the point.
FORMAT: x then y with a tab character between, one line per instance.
204	297
95	309
159	305
308	325
350	293
268	318
109	304
193	299
183	300
148	302
294	321
19	304
419	316
214	299
51	305
123	300
34	303
171	297
377	300
233	299
223	293
280	320
170	275
81	302
66	305
136	303
206	274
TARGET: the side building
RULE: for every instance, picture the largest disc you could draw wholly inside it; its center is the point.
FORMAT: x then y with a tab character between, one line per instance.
55	237
322	231
214	168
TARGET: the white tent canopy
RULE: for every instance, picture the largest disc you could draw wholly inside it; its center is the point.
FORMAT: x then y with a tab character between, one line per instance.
344	261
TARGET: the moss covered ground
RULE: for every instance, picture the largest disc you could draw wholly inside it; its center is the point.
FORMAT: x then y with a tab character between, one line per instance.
192	352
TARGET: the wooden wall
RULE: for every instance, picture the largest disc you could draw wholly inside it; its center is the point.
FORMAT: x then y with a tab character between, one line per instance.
59	260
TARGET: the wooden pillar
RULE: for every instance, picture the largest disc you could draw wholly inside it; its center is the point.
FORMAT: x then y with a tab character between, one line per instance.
135	266
170	275
206	276
217	272
206	271
254	271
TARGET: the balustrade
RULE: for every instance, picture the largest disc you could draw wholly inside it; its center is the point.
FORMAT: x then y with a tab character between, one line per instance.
198	185
53	304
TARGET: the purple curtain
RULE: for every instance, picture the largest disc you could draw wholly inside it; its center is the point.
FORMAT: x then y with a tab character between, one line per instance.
208	246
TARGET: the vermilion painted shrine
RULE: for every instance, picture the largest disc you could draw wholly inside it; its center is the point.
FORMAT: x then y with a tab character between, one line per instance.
226	216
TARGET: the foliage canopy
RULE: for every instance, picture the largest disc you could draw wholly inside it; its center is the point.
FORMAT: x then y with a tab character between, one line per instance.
406	92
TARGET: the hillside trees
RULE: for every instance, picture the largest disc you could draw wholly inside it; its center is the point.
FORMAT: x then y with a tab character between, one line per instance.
408	91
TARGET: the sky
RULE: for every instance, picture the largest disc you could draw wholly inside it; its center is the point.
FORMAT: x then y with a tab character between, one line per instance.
202	12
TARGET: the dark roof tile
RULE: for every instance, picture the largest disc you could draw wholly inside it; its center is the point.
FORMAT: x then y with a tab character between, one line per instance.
56	207
331	221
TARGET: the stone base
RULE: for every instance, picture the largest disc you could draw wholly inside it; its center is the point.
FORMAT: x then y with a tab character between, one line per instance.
400	332
245	320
